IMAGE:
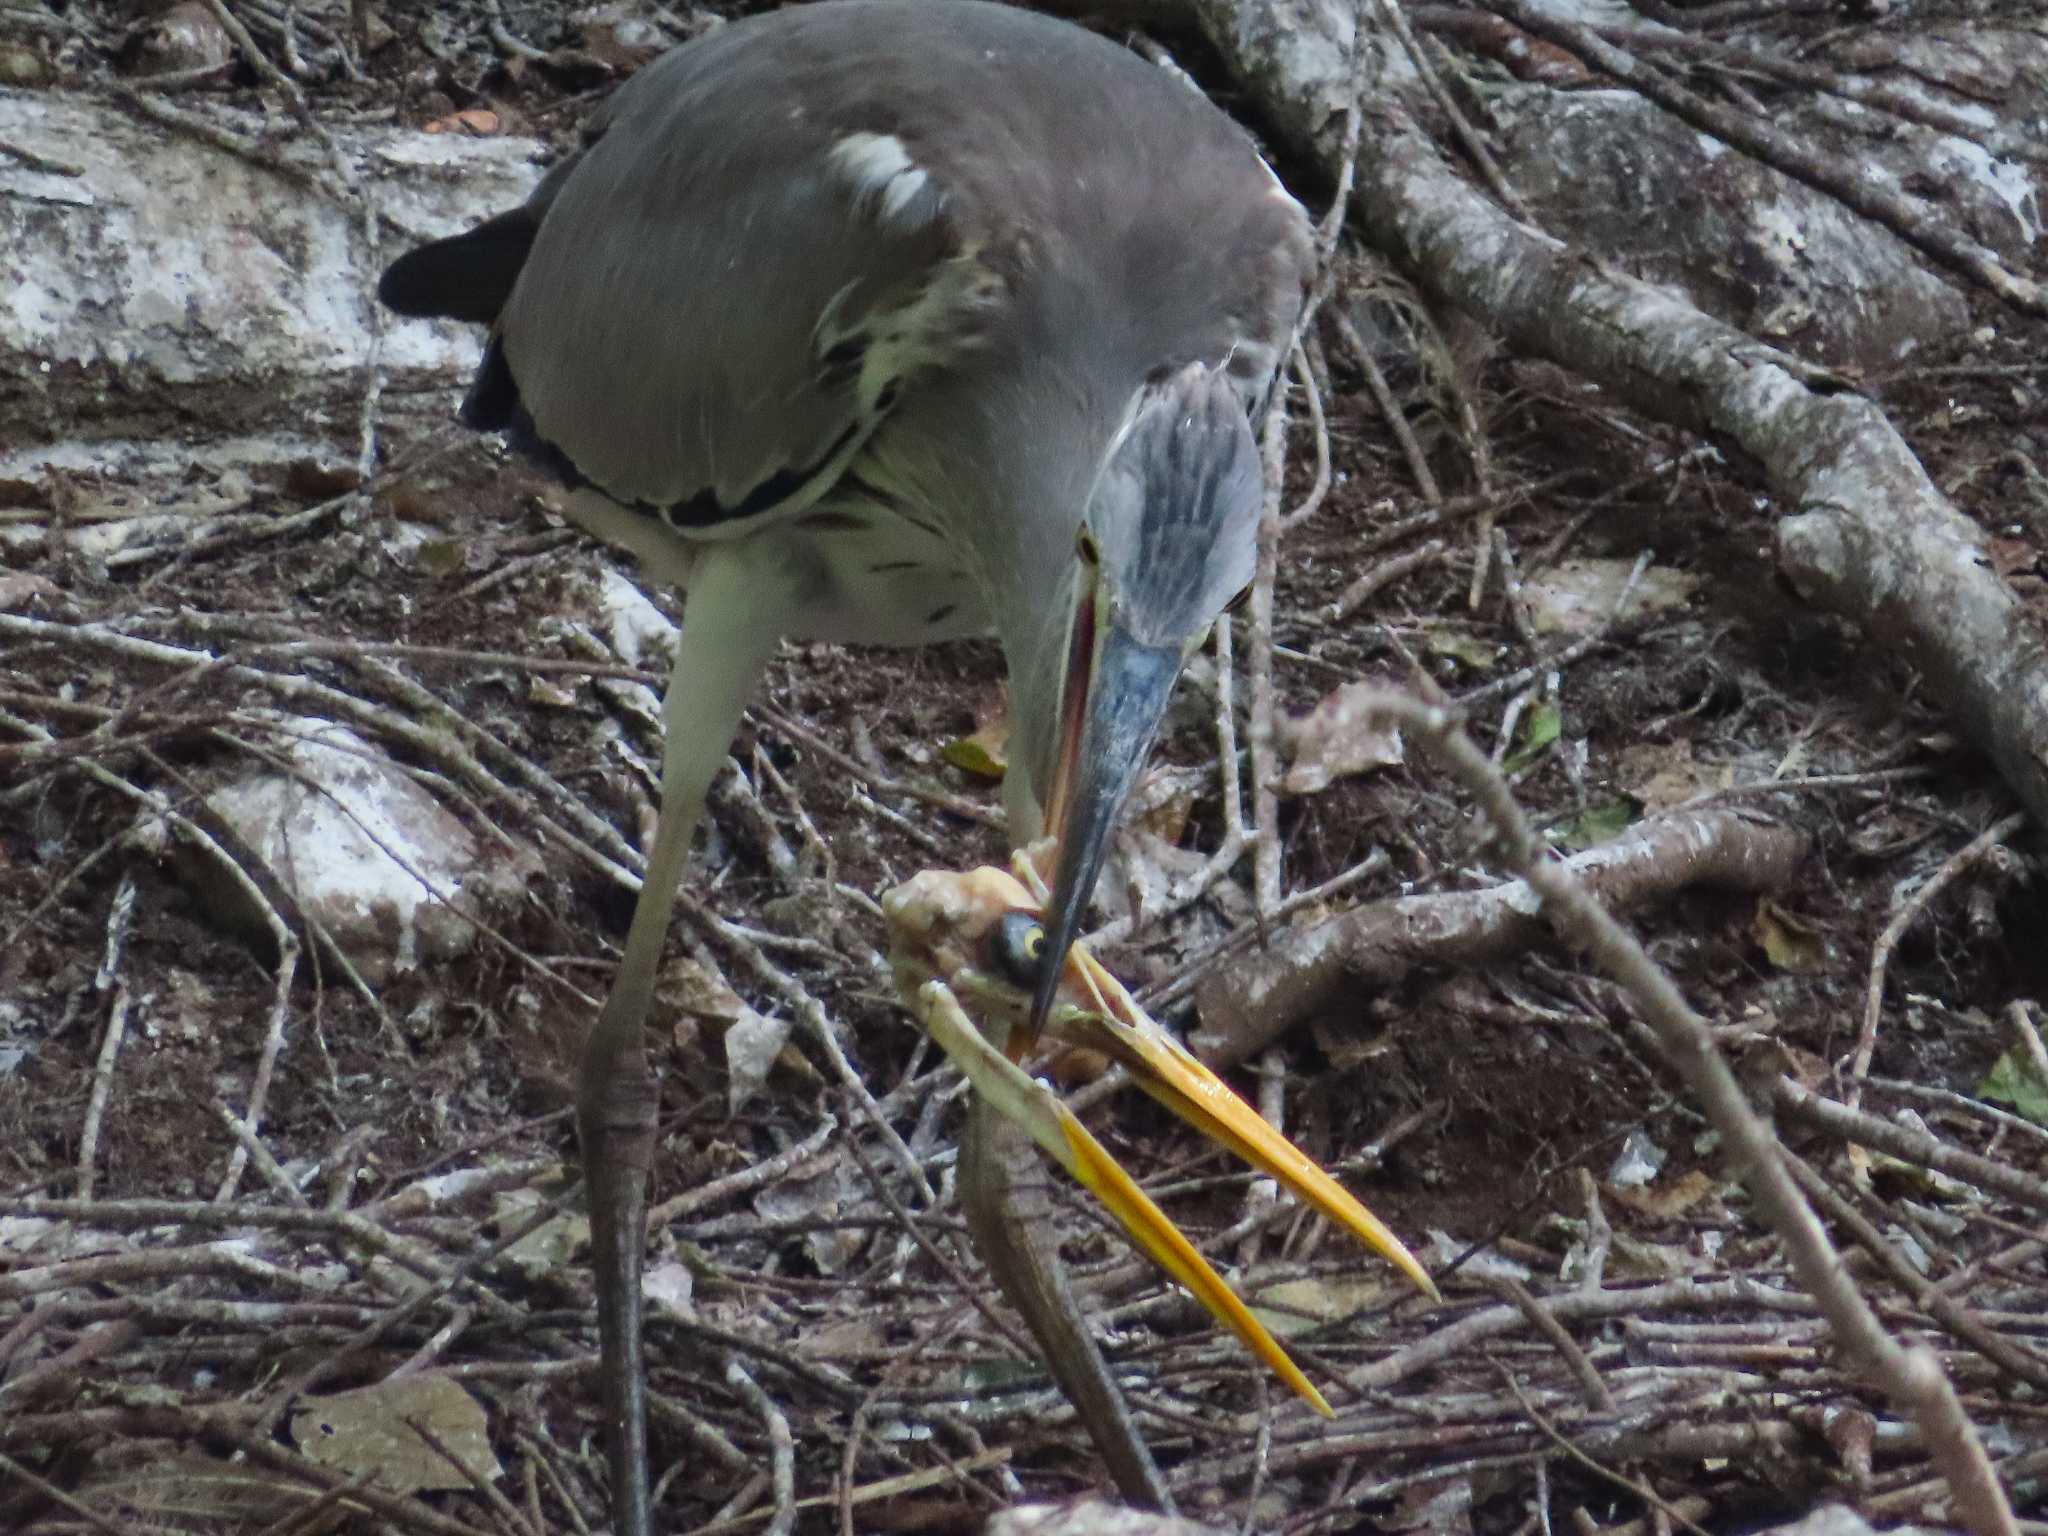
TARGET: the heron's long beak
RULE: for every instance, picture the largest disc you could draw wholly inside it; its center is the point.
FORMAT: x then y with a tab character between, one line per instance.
1117	690
1111	722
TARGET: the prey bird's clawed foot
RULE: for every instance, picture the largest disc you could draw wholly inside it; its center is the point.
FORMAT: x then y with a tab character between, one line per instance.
966	950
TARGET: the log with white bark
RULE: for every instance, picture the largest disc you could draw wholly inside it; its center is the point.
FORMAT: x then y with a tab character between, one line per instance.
1864	530
163	288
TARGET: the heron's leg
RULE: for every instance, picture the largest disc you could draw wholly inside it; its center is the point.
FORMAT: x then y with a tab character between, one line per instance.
1003	1189
723	648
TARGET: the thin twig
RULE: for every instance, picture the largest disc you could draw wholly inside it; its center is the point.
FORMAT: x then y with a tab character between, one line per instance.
1556	1437
1910	1146
781	1447
108	979
1598	1398
1880	957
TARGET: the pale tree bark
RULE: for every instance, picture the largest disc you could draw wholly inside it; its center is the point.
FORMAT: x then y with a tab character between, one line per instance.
1864	531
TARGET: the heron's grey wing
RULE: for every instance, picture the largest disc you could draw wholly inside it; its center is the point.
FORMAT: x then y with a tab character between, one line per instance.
724	294
709	308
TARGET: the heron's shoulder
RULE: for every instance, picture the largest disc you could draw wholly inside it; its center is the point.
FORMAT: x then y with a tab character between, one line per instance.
993	117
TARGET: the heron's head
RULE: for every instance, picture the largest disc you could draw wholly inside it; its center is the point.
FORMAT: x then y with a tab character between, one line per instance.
1166	543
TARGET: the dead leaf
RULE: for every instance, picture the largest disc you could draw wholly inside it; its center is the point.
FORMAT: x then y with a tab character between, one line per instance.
1164	799
548	1246
1663	774
617	39
1473	1264
1141	869
820	1198
1438	1508
1296	1306
1789	943
473	122
1347	1045
441	557
1577	597
671	1287
1460	645
1338	738
24	591
1668	1202
371	1430
848	1339
753	1042
1654	1261
692	988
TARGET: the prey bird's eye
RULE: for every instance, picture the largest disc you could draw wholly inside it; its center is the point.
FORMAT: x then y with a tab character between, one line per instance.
1086	547
1020	948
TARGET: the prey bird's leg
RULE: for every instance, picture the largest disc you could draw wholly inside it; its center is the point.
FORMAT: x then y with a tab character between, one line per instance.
718	660
1006	1193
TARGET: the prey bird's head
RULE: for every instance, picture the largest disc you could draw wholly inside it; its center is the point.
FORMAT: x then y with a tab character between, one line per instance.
967	949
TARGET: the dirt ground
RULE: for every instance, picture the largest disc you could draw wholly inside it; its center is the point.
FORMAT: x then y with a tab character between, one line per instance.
1467	1108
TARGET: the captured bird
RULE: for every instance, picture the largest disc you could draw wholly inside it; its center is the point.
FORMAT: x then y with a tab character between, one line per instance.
977	938
886	322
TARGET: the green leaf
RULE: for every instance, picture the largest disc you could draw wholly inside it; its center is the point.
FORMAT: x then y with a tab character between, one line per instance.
971	754
1540	727
2014	1081
1467	649
1600	824
985	754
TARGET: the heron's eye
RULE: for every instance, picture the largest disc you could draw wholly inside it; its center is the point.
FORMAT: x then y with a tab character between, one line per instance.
1020	948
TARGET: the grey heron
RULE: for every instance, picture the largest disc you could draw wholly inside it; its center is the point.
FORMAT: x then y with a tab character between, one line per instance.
885	322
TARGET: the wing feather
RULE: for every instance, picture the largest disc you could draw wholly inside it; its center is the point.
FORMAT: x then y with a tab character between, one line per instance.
776	230
720	300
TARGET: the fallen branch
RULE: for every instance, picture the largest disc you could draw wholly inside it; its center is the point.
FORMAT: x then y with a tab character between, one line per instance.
1373	948
1868	535
1917	1147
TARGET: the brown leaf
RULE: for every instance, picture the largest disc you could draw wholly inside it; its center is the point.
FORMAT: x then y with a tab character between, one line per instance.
697	990
1661	775
1338	738
372	1431
1666	1202
476	122
618	39
1789	943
